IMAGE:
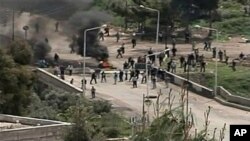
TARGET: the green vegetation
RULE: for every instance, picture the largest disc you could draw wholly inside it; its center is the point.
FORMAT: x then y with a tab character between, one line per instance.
237	82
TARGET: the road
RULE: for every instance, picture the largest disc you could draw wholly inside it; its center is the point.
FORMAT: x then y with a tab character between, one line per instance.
124	95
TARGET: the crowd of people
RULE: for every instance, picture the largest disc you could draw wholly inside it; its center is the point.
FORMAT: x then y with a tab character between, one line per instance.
168	59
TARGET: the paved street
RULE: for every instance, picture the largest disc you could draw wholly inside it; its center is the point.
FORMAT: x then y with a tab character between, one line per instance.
125	96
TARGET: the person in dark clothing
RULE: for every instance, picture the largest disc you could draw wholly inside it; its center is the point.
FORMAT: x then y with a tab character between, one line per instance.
106	29
119	53
132	74
93	92
174	50
190	60
84	83
122	48
214	52
103	77
234	65
167	52
72	81
173	42
160	37
101	35
62	69
206	45
137	73
125	65
56	58
187	37
134	79
126	75
93	77
133	42
132	62
203	66
161	57
144	77
220	53
121	76
241	56
226	60
182	59
115	78
117	35
154	81
185	64
56	25
169	65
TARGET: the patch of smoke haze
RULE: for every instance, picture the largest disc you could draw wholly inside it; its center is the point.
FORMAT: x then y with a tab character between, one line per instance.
84	20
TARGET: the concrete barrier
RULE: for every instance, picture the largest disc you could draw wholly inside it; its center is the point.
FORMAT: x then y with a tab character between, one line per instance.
232	98
180	81
40	129
51	79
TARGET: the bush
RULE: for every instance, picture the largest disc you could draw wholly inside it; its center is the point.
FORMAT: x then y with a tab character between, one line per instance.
111	132
101	107
21	52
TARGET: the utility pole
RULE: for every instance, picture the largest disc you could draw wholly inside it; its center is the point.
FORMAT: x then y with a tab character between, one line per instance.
13	25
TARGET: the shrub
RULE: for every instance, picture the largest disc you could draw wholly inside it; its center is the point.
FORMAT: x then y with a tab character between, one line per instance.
101	107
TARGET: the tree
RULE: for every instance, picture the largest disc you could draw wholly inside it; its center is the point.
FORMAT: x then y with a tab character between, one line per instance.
20	51
210	6
15	86
78	131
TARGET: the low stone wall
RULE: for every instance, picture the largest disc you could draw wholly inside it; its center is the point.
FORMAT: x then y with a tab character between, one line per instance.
43	133
41	129
179	81
51	79
27	120
232	98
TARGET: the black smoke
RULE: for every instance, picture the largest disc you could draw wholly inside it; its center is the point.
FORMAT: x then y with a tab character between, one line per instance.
84	20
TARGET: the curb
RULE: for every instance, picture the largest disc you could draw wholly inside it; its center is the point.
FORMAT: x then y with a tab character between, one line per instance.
234	105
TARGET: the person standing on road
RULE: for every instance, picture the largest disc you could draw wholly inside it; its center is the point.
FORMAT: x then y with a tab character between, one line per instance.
234	65
132	74
56	58
119	53
122	48
203	66
93	92
121	76
134	79
133	42
173	42
93	77
103	77
72	81
144	78
220	53
174	50
154	81
84	83
115	78
117	35
126	74
214	52
101	35
57	26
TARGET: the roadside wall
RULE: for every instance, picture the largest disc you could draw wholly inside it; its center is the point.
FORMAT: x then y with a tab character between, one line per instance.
43	133
51	79
179	81
232	98
41	130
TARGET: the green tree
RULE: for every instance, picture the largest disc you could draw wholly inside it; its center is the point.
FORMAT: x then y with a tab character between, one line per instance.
20	51
15	86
